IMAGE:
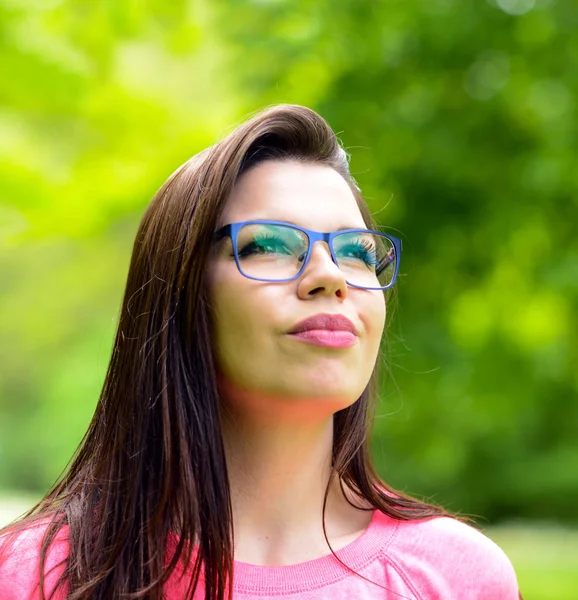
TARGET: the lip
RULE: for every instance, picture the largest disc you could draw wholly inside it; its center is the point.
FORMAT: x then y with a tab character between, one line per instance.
332	331
324	322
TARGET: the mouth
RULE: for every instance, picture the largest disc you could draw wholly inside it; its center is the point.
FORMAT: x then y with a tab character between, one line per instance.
324	337
330	331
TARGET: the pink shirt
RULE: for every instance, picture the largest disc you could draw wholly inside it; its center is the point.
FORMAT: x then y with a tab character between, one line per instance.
434	559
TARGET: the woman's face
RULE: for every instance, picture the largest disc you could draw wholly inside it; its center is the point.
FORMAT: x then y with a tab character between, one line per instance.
259	362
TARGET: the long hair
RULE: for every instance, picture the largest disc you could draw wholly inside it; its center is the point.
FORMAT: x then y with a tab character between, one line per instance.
152	464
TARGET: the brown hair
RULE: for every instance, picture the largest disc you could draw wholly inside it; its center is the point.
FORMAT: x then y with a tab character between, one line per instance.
152	462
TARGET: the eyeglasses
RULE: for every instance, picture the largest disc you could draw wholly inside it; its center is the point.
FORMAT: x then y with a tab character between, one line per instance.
277	251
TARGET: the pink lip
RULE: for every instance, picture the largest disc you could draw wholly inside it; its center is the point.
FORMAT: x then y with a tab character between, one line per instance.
332	331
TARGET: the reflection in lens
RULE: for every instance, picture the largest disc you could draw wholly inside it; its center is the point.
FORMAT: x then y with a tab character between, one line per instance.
271	252
276	252
367	259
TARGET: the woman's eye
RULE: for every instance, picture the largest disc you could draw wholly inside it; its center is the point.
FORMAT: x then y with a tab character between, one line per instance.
264	246
358	252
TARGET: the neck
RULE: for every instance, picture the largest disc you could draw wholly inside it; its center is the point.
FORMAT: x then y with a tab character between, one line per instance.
279	472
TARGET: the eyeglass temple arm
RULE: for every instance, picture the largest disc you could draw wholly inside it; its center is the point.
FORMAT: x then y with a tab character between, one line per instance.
221	233
386	260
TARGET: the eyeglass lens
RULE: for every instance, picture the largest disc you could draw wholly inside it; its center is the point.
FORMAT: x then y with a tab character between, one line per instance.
276	252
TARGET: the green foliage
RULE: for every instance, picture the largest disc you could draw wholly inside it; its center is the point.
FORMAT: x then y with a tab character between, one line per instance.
460	119
545	559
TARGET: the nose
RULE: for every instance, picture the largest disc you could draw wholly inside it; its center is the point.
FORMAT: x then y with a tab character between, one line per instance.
321	275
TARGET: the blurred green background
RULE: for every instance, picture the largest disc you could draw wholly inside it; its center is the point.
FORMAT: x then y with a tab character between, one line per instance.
460	117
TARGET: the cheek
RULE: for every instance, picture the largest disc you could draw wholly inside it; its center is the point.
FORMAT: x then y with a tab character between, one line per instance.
375	313
231	322
237	325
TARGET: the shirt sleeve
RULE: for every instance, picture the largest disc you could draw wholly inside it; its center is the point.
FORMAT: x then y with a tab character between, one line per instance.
450	560
19	564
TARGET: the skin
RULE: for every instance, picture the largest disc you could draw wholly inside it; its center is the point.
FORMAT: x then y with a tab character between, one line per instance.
279	393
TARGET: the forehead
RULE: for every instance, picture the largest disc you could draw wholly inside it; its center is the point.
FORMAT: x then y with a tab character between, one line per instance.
310	195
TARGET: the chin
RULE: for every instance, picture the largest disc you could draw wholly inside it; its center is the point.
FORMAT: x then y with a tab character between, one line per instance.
334	398
329	383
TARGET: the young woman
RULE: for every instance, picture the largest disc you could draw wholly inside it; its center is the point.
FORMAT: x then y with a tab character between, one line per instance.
228	454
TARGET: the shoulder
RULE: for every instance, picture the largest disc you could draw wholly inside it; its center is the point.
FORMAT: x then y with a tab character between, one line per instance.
20	562
446	558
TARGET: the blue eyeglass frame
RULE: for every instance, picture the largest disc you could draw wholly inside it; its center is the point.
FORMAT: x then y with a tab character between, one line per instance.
232	229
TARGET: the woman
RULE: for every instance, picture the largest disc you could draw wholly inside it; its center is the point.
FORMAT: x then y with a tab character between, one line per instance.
228	454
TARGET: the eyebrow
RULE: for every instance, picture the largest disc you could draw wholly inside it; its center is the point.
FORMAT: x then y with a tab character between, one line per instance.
342	228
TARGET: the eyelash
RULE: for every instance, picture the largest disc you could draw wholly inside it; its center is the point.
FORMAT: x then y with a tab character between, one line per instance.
259	240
